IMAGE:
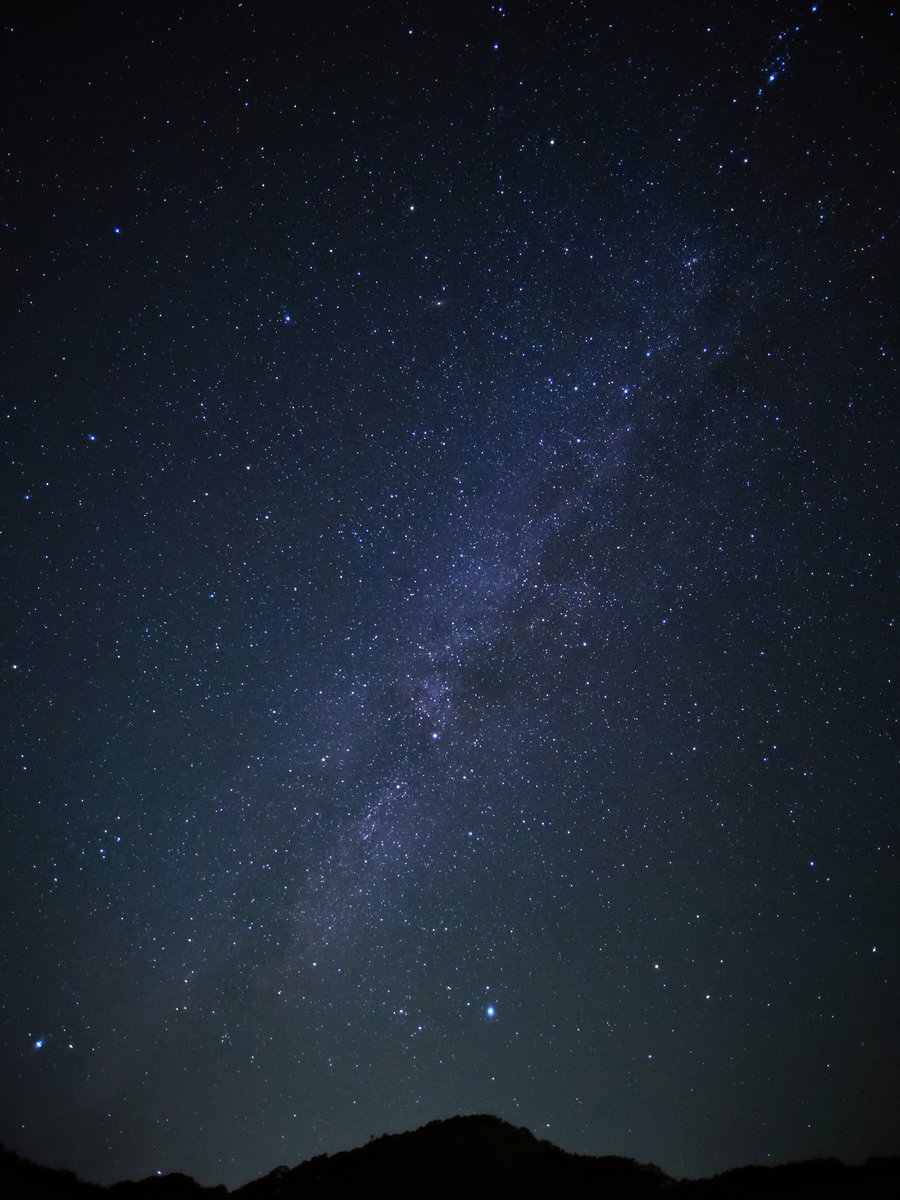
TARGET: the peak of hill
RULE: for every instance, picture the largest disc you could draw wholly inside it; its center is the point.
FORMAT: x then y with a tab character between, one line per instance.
462	1153
474	1156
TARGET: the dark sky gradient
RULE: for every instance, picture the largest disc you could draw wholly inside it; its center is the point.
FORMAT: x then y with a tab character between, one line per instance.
449	560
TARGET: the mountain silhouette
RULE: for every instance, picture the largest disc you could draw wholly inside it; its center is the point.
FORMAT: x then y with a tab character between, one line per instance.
474	1156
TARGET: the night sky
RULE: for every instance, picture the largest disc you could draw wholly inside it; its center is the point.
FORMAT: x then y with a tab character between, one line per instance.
448	567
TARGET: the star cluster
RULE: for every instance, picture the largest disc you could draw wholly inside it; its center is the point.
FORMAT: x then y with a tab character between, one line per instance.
449	546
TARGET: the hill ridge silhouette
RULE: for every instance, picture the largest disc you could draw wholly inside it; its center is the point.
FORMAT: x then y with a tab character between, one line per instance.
474	1155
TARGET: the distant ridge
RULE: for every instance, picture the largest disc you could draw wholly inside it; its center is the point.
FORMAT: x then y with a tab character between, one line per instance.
462	1154
474	1156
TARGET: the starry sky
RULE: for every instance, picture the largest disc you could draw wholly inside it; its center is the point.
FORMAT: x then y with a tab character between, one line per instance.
448	558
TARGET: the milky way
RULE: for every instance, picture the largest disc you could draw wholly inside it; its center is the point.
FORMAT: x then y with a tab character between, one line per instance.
448	542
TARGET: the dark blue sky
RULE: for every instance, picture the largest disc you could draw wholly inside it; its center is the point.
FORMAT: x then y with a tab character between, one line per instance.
449	560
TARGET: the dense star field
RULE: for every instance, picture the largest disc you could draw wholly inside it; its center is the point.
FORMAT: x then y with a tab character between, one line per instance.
449	559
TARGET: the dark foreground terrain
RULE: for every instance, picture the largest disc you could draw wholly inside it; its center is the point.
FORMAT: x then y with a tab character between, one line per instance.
476	1156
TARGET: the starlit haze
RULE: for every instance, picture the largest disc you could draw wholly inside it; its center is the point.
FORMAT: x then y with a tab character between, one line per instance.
449	567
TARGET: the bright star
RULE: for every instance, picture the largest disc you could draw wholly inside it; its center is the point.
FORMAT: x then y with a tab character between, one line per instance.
490	1011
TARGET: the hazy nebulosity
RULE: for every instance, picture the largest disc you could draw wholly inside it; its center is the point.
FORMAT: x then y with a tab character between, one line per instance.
448	538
